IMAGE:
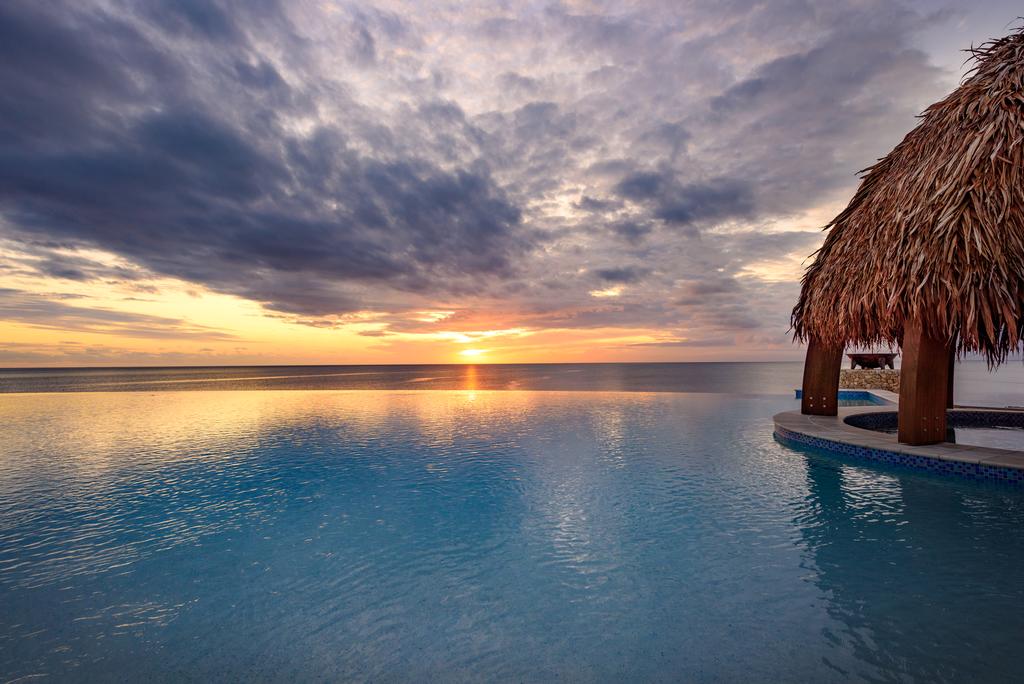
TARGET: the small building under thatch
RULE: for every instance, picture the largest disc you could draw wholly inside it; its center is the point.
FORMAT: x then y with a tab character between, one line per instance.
929	254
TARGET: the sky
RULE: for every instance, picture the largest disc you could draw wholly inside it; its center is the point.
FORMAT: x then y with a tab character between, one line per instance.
262	182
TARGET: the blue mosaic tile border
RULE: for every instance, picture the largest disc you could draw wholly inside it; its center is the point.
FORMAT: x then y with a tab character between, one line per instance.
853	395
986	418
887	420
875	420
973	471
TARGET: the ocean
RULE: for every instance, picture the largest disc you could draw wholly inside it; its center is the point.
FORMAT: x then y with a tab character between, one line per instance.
975	385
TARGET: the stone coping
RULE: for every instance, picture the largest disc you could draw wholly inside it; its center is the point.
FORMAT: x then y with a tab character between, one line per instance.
833	433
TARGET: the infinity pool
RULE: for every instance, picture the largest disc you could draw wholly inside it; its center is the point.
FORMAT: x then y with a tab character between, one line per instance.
451	535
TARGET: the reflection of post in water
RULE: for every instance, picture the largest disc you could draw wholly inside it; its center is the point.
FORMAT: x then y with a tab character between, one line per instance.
913	569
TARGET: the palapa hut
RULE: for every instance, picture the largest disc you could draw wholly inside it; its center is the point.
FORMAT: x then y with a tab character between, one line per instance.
929	254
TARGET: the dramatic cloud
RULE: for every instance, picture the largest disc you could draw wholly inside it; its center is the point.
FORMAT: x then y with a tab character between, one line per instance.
576	165
44	312
201	175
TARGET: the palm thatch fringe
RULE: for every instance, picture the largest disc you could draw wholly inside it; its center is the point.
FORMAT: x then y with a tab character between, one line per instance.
935	232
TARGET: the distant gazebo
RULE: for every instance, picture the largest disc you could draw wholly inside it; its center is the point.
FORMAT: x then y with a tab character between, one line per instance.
929	254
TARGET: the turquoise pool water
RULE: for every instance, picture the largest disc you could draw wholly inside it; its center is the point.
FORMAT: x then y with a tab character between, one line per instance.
461	535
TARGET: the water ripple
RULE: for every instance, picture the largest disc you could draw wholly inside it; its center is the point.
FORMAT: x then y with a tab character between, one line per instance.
483	535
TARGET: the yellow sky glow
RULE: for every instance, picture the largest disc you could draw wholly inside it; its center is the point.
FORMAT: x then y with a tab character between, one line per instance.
181	323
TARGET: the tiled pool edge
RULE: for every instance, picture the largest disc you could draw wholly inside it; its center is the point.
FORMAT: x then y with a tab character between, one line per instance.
833	434
875	396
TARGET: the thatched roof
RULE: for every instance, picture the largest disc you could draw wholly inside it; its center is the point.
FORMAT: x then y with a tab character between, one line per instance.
936	228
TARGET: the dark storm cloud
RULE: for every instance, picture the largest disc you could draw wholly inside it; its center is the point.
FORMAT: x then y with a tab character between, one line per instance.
722	341
192	18
622	274
588	203
43	311
364	47
74	267
55	80
698	289
685	204
59	260
327	159
191	187
668	137
630	231
522	85
69	352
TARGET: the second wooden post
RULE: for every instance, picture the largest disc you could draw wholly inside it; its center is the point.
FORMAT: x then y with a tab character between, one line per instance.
924	386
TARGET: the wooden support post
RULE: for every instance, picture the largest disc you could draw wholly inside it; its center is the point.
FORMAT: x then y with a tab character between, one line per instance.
924	386
820	396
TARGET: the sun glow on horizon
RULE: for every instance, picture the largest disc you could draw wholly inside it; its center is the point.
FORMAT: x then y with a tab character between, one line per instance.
148	320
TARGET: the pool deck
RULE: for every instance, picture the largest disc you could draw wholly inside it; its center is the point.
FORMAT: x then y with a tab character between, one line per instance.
834	434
